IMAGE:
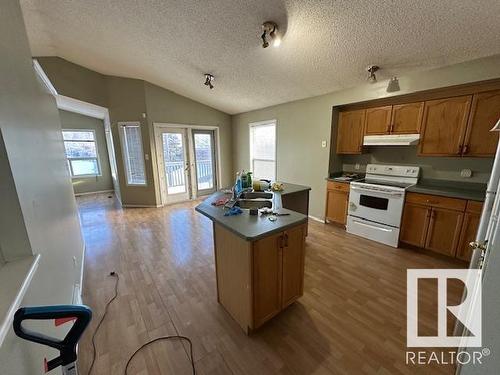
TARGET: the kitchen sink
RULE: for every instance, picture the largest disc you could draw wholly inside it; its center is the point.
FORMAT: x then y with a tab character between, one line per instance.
253	203
256	195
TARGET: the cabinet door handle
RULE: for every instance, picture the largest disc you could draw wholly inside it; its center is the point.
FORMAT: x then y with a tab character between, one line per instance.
286	239
465	149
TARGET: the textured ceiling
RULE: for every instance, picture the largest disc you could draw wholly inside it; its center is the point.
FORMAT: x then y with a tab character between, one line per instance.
327	44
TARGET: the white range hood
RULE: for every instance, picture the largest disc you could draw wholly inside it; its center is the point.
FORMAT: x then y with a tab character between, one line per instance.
391	140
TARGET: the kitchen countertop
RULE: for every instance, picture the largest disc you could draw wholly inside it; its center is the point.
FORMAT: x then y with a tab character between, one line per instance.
453	189
249	227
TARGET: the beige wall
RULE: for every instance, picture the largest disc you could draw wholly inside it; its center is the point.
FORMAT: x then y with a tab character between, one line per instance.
31	130
70	120
127	100
303	124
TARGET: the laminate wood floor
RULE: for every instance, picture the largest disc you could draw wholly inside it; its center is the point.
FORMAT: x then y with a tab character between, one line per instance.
351	319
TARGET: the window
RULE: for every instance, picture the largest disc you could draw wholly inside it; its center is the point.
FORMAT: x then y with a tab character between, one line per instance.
133	156
263	149
81	152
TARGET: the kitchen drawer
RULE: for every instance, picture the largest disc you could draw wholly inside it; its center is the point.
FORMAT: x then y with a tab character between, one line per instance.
341	186
437	201
474	207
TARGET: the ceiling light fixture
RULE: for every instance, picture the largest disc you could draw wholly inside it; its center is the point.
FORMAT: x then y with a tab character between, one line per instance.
393	85
209	80
270	29
372	78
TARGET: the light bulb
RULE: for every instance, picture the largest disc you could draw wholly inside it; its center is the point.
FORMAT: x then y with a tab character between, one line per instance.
276	41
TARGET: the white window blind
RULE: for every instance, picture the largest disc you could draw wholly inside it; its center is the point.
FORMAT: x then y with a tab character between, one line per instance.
81	152
263	149
133	156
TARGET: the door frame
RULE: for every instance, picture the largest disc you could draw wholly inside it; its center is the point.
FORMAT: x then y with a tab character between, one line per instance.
160	175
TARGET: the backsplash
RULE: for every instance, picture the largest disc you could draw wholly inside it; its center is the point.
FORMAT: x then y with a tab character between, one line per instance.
442	168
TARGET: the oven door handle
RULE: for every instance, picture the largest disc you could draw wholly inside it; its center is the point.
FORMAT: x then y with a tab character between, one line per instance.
364	190
371	226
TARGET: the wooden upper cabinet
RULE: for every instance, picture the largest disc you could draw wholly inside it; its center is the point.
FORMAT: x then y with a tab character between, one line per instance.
443	126
485	112
378	120
444	231
350	132
407	118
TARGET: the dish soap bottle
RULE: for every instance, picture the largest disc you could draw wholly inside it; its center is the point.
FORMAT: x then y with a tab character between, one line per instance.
244	181
249	179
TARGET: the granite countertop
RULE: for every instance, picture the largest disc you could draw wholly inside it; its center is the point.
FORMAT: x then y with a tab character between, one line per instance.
293	188
453	189
250	227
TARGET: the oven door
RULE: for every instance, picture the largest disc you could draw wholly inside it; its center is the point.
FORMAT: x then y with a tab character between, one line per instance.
381	206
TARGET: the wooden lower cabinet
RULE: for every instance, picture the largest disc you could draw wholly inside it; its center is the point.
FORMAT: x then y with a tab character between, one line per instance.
444	231
256	280
337	202
469	228
444	225
414	224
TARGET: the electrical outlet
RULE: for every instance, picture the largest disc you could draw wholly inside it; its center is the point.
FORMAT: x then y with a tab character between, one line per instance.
146	156
357	166
466	173
75	262
323	144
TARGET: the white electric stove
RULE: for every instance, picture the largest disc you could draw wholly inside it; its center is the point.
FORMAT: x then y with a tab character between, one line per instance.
376	203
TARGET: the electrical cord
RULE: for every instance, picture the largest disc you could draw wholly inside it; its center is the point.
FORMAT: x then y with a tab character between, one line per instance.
114	274
162	338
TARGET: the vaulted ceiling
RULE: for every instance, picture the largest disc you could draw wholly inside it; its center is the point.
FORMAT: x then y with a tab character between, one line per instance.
327	45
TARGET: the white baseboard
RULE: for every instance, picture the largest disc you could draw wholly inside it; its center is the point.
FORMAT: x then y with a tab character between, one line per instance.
94	192
141	206
317	219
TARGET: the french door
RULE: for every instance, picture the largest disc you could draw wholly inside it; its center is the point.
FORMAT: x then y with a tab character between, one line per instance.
187	163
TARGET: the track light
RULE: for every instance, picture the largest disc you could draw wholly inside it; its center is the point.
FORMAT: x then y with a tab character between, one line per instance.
372	78
270	30
209	80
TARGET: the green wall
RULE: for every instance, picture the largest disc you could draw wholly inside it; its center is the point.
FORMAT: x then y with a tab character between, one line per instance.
136	100
304	124
70	120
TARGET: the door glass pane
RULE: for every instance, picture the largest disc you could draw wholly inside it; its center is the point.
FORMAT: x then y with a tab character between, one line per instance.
204	161
173	153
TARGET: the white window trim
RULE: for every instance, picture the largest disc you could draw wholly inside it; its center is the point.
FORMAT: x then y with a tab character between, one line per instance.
121	126
73	177
261	123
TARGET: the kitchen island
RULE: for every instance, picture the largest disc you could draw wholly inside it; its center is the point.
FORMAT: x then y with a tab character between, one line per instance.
259	263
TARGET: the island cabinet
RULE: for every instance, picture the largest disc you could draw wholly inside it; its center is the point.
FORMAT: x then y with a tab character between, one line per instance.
257	279
440	224
337	202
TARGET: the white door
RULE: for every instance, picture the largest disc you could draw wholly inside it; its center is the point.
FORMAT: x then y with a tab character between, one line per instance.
175	164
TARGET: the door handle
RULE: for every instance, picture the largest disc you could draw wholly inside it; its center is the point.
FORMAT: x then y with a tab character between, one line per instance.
286	239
